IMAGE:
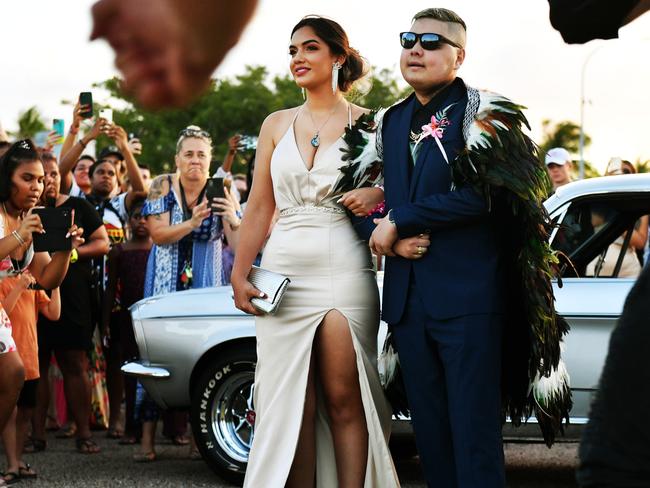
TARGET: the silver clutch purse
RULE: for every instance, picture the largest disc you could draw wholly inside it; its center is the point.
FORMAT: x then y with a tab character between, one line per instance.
273	285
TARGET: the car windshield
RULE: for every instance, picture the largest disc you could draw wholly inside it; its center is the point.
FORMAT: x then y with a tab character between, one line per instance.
596	234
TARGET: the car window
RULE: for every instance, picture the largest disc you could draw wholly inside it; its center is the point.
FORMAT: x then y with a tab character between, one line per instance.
592	235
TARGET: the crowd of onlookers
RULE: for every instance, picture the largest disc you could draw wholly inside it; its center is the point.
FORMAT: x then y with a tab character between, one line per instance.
65	328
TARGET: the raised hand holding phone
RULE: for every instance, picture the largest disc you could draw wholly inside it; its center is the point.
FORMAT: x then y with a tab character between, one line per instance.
58	127
86	105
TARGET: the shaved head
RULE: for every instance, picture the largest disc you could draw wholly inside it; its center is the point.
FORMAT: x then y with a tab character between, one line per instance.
456	27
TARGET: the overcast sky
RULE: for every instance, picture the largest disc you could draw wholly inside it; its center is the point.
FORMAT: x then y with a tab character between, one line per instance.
511	49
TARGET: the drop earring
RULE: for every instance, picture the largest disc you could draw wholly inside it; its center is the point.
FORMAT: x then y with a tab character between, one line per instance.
335	76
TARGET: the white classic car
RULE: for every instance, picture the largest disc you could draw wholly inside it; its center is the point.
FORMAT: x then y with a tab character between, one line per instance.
198	351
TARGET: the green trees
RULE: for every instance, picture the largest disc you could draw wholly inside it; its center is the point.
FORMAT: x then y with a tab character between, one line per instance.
29	123
231	106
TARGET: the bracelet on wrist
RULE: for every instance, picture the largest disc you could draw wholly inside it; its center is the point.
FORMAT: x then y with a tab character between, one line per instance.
83	144
74	256
18	237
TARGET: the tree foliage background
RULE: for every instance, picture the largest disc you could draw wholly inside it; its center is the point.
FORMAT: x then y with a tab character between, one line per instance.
231	106
239	105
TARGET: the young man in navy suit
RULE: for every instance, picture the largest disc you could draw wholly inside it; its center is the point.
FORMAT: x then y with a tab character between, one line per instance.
446	304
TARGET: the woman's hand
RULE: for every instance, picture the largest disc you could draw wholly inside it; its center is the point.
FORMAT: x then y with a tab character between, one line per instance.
412	247
227	209
362	200
200	213
233	143
243	291
53	139
96	129
76	234
76	116
25	280
30	223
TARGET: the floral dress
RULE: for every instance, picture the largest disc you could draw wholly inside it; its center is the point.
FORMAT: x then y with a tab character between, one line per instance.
195	261
9	267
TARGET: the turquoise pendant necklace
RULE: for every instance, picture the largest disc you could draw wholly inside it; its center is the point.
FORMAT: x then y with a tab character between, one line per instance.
315	141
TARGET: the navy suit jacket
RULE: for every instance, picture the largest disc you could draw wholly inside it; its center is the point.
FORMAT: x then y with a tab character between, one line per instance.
460	273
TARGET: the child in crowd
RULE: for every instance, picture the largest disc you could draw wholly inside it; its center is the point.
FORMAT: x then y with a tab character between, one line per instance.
127	263
22	303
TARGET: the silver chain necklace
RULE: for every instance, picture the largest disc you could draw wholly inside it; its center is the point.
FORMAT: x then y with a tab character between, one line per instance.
315	141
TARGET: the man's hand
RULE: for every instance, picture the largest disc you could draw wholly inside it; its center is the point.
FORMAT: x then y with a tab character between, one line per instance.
412	247
168	49
383	237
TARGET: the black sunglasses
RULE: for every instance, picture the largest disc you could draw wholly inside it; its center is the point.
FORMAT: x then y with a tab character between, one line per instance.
428	40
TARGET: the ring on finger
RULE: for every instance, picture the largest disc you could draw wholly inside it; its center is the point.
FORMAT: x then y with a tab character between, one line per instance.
420	250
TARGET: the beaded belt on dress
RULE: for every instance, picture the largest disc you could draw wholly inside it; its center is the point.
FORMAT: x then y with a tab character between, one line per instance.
311	209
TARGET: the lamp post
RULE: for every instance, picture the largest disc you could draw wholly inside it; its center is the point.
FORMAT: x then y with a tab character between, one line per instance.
582	110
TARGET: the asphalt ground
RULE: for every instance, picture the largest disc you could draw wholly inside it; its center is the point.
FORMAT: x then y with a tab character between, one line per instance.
528	465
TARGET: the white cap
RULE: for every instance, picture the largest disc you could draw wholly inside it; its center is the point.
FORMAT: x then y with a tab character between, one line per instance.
557	155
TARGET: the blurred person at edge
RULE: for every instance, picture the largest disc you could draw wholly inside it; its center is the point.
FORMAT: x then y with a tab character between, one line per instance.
69	336
558	166
581	21
21	185
167	50
127	264
187	232
614	450
23	304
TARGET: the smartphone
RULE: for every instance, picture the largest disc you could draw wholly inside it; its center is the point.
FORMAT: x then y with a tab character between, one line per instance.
56	222
247	143
107	114
214	189
86	98
58	126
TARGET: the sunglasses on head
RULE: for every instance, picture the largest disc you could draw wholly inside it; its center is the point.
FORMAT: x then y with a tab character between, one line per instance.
192	132
428	40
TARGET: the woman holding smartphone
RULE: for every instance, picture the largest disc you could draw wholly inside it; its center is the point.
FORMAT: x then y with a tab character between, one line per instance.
21	185
187	232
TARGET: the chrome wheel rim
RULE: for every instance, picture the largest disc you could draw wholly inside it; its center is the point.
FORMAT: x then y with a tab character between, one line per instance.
233	415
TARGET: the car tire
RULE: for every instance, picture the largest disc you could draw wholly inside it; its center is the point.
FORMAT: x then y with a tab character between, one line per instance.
222	414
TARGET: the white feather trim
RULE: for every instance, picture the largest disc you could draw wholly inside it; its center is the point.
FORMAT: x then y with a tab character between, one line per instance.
477	137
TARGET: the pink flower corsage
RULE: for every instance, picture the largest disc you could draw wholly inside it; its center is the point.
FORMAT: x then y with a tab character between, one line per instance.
436	128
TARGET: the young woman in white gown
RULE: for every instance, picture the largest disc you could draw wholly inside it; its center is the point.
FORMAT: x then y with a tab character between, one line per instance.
321	415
